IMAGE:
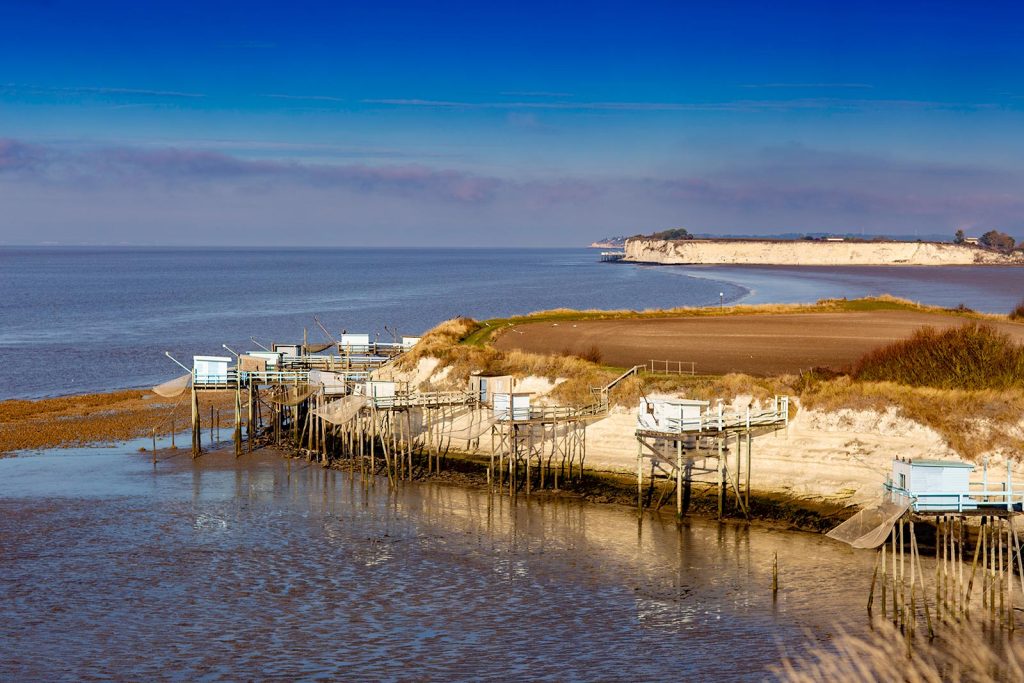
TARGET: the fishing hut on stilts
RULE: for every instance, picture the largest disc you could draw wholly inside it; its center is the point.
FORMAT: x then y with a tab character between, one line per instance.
683	441
533	447
970	523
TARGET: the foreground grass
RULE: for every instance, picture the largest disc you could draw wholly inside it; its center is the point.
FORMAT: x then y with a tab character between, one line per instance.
963	652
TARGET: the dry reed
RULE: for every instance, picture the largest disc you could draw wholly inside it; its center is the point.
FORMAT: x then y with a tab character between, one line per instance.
958	654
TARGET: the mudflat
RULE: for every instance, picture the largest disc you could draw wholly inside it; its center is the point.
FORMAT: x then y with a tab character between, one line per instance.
100	418
757	344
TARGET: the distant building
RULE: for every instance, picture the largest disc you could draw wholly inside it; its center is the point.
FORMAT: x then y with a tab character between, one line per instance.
971	240
835	239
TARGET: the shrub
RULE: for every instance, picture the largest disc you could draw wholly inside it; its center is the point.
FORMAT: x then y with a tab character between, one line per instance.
1000	241
972	356
1018	312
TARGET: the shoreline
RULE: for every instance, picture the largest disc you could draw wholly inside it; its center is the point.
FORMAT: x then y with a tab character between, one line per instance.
115	418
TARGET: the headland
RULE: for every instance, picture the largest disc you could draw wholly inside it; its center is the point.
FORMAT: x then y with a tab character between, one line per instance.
768	252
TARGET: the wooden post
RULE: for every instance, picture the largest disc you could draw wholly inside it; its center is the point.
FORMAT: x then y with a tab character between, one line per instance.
721	475
248	420
173	447
750	442
196	438
775	575
639	478
154	446
920	575
874	577
238	422
679	478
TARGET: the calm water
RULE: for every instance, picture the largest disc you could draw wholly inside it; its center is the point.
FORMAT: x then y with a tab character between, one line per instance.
87	319
110	568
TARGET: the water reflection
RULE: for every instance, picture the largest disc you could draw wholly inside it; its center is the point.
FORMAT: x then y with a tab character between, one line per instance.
252	568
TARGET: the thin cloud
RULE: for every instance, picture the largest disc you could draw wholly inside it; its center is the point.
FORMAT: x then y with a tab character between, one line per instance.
313	98
100	90
851	86
534	93
741	106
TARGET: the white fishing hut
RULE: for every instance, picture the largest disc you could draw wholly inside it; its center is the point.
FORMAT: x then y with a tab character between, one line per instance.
355	343
935	485
288	350
382	392
210	369
511	406
484	388
332	383
672	415
409	342
273	358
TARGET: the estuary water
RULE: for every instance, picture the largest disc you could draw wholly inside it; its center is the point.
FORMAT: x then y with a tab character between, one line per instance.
113	568
75	320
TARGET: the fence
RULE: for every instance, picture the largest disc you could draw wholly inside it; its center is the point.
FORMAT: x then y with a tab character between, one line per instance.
672	367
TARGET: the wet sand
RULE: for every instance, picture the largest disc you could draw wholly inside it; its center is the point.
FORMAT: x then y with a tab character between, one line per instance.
768	344
70	421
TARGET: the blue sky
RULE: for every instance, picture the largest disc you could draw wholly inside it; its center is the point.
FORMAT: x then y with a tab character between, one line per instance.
505	124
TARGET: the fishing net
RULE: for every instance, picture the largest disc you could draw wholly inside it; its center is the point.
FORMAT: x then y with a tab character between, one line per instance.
870	527
342	411
471	430
174	388
290	396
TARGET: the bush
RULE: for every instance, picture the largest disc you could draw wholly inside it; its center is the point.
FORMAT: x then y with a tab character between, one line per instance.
973	356
1018	312
673	234
1000	241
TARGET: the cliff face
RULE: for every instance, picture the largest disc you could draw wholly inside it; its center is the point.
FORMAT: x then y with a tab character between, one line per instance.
807	253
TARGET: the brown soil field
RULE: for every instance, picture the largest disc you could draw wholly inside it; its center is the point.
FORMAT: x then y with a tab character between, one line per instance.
69	421
766	344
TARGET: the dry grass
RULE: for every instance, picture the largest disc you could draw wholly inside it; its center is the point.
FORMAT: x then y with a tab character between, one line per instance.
958	654
972	356
1018	312
971	421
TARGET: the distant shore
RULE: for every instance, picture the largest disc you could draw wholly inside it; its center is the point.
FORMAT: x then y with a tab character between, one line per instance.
812	253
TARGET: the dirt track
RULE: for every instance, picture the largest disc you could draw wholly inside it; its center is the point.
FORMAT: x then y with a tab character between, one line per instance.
752	344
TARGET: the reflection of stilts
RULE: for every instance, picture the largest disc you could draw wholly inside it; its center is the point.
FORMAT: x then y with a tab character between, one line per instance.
984	575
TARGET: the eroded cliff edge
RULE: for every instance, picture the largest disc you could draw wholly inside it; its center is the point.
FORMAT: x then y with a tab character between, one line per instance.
813	253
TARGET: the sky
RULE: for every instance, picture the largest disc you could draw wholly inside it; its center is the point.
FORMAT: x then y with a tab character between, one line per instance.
505	124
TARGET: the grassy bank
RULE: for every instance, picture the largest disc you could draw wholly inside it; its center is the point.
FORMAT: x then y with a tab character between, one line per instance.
966	383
